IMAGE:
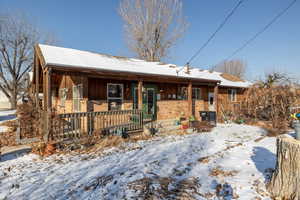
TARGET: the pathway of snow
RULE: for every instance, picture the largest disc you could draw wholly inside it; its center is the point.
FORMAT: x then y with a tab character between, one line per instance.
231	149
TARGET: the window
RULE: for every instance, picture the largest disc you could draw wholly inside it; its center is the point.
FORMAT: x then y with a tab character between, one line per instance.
182	93
196	93
232	94
77	97
63	96
114	96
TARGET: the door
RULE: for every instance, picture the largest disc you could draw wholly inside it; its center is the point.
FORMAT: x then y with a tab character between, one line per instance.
149	101
211	101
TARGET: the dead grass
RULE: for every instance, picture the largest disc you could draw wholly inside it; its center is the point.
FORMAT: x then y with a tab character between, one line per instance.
217	171
268	127
204	159
11	124
165	188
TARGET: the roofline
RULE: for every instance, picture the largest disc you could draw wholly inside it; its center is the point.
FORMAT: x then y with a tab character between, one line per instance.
231	86
58	66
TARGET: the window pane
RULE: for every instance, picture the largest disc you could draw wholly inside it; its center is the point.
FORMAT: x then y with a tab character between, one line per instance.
182	93
196	93
114	104
115	91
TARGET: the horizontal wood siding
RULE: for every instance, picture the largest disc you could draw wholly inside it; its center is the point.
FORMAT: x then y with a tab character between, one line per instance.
98	88
60	81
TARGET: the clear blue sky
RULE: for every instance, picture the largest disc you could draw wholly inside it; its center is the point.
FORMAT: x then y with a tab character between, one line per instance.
96	26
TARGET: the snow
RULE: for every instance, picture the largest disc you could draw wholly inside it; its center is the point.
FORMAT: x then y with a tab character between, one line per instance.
66	57
111	174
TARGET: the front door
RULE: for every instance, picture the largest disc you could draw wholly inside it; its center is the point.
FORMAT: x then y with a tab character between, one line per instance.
149	101
211	101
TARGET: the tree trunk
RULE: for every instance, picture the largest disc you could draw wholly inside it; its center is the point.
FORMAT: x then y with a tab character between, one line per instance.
13	103
285	183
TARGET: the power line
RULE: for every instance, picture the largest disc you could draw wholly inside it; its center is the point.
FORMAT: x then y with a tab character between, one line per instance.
218	29
262	30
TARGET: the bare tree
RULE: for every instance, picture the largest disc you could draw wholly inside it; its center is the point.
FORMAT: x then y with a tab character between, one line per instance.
233	67
275	78
17	39
152	27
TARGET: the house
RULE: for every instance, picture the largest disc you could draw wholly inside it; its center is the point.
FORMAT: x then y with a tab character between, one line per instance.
74	81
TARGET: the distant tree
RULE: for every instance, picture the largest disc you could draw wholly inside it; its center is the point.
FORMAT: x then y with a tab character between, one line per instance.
233	67
152	27
275	78
17	40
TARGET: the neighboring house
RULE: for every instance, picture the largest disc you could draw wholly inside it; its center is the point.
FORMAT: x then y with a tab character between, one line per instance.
80	81
4	102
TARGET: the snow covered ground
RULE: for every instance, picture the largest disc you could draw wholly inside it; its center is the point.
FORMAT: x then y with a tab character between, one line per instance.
232	162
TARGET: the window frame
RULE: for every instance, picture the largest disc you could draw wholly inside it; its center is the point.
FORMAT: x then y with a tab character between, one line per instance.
114	98
62	97
78	90
232	94
200	93
180	95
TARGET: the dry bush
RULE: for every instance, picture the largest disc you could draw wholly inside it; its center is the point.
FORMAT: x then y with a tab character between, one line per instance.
271	104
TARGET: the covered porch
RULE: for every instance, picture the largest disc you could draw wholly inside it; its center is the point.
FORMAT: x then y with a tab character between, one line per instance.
85	97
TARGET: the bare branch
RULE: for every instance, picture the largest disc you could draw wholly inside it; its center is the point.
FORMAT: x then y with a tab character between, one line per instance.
152	27
17	39
233	67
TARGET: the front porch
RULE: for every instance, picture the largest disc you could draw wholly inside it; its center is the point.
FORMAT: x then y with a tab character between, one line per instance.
86	103
81	96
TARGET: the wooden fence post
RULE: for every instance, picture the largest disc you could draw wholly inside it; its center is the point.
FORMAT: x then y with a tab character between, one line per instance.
285	183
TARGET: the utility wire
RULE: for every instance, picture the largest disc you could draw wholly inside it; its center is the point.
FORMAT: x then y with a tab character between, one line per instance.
217	30
262	30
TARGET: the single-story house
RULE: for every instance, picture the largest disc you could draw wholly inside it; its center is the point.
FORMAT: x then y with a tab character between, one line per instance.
80	81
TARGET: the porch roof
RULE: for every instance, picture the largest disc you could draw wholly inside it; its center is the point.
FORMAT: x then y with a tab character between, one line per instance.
72	58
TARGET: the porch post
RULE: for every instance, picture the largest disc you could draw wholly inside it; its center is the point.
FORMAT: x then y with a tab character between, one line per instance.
140	95
216	94
190	100
49	99
37	82
47	103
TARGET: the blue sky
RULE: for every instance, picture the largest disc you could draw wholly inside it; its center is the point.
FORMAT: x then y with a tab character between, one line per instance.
95	25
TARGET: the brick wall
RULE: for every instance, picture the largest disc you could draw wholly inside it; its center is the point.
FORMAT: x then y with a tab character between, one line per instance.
171	109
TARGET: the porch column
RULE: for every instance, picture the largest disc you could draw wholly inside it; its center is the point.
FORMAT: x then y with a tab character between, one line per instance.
49	98
140	95
216	94
47	103
37	82
190	99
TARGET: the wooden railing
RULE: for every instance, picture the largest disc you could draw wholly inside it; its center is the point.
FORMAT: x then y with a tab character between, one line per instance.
77	125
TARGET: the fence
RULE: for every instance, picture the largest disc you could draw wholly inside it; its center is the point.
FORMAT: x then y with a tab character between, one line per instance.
78	125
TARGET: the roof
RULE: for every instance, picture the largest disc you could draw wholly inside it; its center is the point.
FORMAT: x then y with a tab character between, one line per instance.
66	57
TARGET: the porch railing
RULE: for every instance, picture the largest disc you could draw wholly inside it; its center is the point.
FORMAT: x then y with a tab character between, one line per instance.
77	125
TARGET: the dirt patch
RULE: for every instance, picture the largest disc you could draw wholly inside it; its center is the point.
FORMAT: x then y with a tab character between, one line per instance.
204	159
165	188
220	172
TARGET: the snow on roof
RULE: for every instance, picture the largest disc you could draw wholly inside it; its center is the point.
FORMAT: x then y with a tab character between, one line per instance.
66	57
